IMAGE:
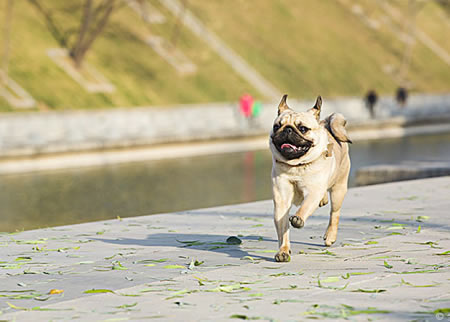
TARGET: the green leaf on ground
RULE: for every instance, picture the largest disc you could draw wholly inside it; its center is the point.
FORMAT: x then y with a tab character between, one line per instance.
229	288
11	266
180	293
248	258
277	302
216	247
129	294
432	244
174	266
418	229
23	258
31	242
190	243
387	265
100	290
410	284
319	283
326	252
195	263
331	279
146	261
286	274
85	262
371	242
117	266
347	276
36	308
444	310
446	253
422	218
341	312
369	291
417	272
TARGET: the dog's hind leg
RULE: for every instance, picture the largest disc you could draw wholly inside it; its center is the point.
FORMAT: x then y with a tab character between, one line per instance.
337	195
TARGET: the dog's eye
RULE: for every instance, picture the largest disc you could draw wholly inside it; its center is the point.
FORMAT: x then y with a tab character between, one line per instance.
303	129
276	127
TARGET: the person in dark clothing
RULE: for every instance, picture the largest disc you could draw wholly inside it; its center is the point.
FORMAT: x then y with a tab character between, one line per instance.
371	99
401	96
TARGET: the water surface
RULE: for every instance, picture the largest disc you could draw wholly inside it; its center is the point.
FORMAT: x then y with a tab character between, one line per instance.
45	199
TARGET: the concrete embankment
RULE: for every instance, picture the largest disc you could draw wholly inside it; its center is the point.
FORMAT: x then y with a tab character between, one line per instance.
40	141
407	170
390	262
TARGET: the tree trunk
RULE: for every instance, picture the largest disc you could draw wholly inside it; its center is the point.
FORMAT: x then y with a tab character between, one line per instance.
87	35
6	42
178	24
85	23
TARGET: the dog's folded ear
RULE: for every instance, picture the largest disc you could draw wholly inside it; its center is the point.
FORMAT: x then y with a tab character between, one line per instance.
335	124
316	108
283	105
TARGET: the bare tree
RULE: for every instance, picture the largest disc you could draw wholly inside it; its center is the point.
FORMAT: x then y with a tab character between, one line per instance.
178	24
6	42
410	27
94	18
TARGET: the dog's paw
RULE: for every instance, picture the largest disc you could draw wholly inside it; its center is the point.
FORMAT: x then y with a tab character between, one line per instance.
324	200
283	256
296	221
329	242
330	238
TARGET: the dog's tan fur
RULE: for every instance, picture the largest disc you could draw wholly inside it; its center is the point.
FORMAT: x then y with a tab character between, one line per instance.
306	181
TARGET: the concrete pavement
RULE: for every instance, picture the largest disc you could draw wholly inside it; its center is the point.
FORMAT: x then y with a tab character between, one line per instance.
390	263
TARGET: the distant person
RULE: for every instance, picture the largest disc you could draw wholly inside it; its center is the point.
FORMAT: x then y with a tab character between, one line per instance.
401	96
371	100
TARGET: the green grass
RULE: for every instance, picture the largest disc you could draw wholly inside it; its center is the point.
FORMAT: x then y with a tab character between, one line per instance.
311	47
140	75
304	48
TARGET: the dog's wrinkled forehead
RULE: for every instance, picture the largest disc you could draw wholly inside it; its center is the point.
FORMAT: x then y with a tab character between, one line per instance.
295	118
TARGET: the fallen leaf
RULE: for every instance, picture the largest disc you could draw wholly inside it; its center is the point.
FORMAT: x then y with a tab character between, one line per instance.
387	265
173	266
98	291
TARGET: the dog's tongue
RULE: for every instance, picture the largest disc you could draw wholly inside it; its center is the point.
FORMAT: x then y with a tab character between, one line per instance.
288	146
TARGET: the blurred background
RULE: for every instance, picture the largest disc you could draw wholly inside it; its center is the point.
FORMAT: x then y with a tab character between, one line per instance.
131	107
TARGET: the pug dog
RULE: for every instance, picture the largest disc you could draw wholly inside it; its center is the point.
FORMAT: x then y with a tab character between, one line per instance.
310	160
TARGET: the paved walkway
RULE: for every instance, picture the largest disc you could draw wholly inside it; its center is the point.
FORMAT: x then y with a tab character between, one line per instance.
390	263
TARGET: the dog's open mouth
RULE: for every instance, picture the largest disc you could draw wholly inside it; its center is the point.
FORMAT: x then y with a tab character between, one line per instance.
292	151
288	147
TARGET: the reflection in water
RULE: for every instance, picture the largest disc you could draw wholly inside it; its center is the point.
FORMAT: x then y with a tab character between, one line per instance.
72	196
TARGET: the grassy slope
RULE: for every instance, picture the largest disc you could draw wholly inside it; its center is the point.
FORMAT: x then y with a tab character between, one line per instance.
140	75
303	47
309	47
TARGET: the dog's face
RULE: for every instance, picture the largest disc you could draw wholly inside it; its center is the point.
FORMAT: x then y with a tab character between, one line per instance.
295	135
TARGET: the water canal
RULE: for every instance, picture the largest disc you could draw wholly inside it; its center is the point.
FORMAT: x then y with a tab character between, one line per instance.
37	200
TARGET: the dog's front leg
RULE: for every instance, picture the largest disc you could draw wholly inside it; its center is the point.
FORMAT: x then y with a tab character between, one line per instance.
309	205
283	194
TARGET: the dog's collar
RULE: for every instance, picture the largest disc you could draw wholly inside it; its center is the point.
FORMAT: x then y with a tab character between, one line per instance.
326	154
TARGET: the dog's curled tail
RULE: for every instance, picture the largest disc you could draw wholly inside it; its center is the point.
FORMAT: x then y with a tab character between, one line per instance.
335	124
